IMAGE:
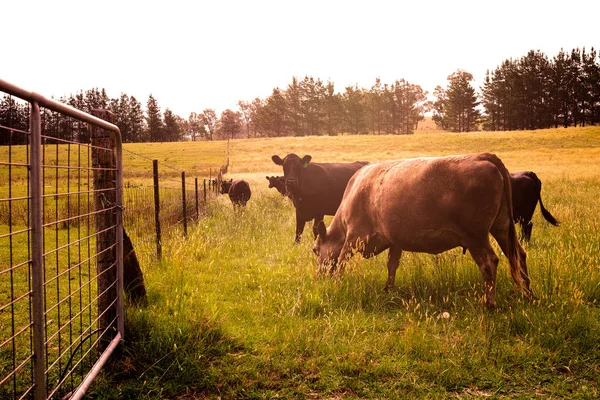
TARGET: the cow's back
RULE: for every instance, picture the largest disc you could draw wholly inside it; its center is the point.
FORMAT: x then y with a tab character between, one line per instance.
324	185
526	192
422	204
240	192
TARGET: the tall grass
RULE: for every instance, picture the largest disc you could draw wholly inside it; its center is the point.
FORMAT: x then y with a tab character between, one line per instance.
237	310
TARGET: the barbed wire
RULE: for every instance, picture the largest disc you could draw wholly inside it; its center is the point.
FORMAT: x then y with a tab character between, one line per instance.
162	164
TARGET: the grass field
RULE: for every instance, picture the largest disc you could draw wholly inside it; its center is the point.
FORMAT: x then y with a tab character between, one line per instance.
238	311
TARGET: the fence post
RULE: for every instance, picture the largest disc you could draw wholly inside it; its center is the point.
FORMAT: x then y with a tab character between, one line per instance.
37	243
197	208
157	210
184	203
204	180
105	202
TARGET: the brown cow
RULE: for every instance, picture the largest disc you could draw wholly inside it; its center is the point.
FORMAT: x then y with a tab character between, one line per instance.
277	182
239	191
527	191
315	188
428	205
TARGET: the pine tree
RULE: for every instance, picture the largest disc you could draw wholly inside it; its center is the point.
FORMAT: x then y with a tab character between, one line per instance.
154	120
271	117
354	110
333	110
172	131
295	108
456	108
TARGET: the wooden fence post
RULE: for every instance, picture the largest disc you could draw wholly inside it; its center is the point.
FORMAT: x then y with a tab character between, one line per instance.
157	210
184	203
104	164
204	192
197	207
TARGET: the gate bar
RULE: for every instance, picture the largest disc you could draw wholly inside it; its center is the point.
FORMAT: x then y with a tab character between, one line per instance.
80	392
37	255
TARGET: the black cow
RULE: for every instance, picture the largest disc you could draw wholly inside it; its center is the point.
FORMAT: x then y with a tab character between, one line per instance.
239	191
526	192
315	188
277	182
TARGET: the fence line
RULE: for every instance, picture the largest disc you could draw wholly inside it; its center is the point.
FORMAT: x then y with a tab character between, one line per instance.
172	203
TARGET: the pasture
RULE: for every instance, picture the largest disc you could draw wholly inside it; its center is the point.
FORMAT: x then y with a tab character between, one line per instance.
237	310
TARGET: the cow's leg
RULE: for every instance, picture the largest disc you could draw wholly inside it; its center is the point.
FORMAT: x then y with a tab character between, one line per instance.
392	265
318	219
299	227
527	228
501	236
487	260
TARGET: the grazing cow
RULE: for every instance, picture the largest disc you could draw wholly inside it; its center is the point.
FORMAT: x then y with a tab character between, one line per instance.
277	182
315	188
428	205
239	191
527	191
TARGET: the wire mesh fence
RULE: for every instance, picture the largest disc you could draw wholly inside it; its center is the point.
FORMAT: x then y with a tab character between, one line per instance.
57	323
159	200
62	205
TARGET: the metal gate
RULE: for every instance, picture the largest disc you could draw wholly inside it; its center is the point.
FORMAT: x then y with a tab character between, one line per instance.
61	288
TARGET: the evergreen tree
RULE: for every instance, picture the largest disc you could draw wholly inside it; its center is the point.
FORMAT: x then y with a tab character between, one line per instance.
271	116
137	121
590	85
295	108
313	94
354	110
14	121
374	106
172	131
154	120
332	109
456	107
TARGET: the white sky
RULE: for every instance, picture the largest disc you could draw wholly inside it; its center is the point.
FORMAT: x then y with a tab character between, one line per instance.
191	55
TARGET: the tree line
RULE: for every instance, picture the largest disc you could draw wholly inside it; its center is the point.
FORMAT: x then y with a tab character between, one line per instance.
532	92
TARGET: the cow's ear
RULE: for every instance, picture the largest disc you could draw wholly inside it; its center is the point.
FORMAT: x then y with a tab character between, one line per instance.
322	230
305	160
277	160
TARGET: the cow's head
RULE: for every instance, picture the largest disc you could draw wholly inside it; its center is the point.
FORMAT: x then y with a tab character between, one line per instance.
277	182
225	185
293	167
327	248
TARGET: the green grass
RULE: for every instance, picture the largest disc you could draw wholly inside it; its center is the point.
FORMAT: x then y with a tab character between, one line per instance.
237	310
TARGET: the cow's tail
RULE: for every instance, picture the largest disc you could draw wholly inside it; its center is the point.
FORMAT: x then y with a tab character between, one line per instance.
547	216
513	255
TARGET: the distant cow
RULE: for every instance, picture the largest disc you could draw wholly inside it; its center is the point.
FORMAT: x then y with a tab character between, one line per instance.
527	191
277	182
239	191
315	188
428	205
